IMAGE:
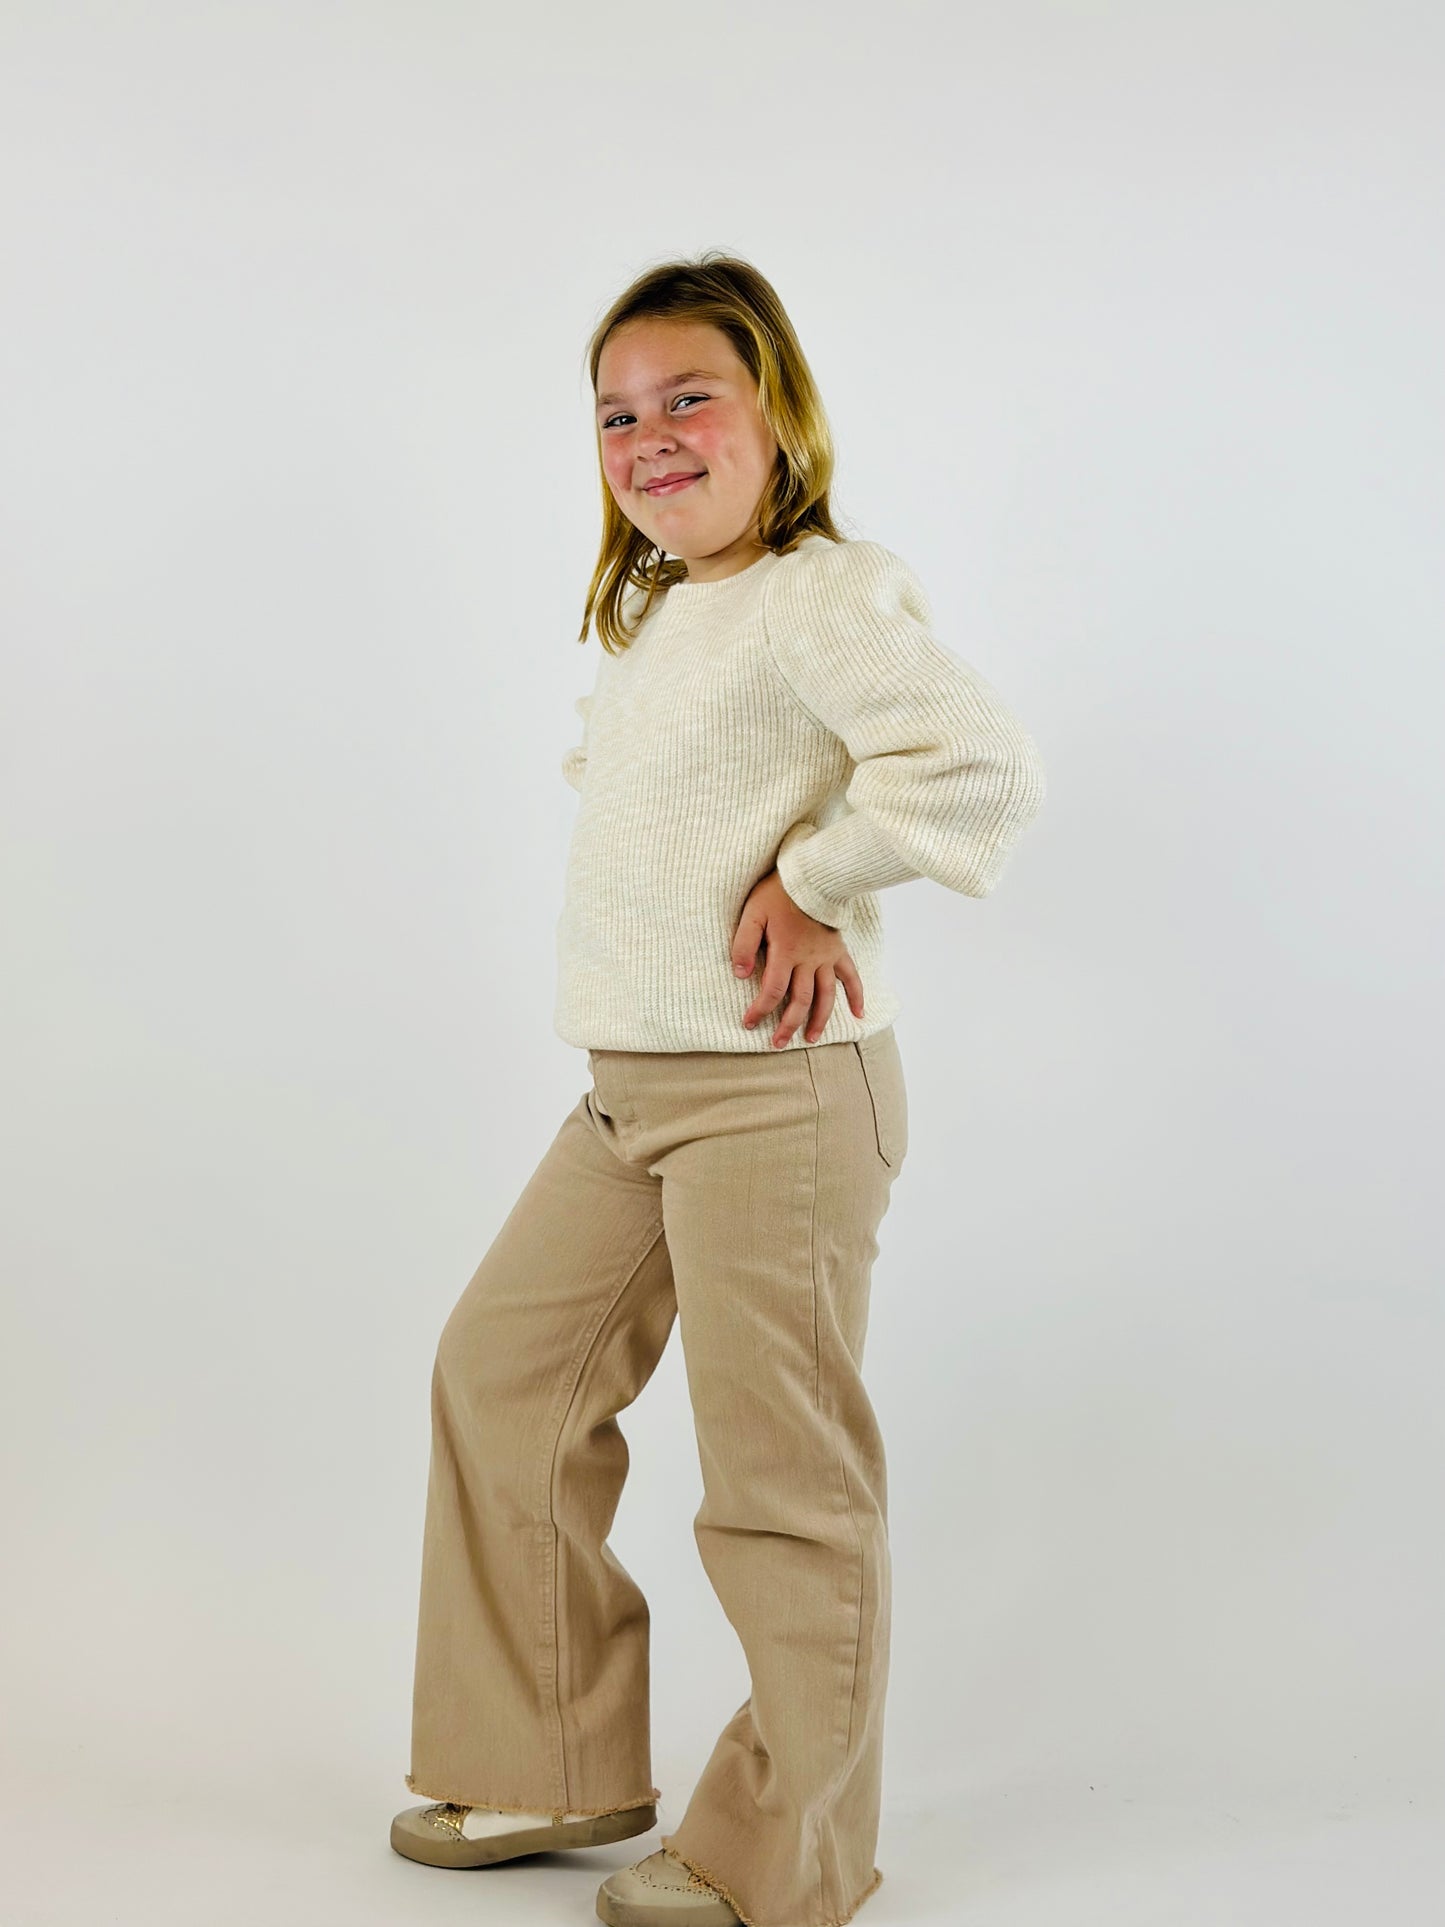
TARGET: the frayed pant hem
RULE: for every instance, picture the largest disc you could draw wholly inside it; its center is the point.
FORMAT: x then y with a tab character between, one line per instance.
488	1805
834	1920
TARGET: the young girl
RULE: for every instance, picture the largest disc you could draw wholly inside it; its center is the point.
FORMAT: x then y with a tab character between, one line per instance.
774	736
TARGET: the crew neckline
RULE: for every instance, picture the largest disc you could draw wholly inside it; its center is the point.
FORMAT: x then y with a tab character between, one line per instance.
692	590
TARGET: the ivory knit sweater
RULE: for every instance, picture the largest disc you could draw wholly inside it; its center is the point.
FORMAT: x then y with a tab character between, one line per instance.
800	713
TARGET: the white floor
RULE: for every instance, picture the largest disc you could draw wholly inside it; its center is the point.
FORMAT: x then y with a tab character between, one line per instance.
1027	1857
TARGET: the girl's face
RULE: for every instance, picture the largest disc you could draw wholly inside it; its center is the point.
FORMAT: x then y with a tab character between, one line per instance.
673	399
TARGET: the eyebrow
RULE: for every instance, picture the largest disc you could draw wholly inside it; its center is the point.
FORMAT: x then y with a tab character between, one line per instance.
688	374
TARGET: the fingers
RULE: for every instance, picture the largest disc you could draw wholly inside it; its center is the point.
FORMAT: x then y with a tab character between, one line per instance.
808	992
799	1003
745	943
852	983
778	979
825	991
811	993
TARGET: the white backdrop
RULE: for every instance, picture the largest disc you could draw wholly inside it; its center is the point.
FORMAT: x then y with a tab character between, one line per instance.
1128	319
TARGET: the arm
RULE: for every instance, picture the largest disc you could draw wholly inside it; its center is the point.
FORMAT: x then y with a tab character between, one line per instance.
945	778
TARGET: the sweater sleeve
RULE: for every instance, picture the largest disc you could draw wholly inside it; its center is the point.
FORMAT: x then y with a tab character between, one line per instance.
944	779
575	760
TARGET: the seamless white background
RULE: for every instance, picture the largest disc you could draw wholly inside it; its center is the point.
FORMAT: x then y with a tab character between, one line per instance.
1128	321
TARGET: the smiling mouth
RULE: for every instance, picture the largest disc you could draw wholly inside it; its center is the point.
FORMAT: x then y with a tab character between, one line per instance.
673	488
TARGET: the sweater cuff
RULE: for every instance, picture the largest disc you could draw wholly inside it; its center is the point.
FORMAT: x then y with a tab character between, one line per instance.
824	870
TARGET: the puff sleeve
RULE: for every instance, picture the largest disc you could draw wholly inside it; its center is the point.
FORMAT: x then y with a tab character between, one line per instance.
944	776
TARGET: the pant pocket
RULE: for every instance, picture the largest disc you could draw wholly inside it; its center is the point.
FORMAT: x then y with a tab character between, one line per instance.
883	1074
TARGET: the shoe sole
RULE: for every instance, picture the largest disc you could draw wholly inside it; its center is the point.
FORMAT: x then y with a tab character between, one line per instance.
597	1830
660	1913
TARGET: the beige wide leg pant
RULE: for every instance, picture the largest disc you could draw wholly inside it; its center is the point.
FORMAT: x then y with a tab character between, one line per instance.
738	1192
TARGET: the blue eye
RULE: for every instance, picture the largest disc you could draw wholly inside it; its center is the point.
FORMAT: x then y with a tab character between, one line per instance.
612	418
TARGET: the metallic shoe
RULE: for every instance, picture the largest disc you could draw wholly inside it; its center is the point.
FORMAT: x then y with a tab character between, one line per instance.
444	1834
661	1891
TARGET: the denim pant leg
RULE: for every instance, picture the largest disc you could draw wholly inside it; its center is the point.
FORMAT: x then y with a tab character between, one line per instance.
776	1171
532	1683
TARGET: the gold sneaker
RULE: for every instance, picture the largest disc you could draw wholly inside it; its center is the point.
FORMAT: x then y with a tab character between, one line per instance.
661	1891
443	1834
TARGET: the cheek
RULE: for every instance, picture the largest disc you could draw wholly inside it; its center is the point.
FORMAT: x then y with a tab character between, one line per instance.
709	443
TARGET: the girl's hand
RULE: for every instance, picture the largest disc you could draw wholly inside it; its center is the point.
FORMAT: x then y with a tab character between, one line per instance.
804	957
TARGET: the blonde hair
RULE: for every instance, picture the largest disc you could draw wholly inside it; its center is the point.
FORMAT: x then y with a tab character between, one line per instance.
732	295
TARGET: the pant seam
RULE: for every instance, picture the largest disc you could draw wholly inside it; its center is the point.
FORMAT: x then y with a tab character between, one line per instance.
550	1568
842	1471
813	1235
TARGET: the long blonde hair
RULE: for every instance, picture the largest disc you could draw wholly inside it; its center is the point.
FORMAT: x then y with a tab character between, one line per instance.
732	295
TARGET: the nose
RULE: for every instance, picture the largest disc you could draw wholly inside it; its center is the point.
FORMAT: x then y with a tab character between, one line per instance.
655	435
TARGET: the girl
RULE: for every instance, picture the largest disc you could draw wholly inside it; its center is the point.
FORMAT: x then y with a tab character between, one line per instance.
774	736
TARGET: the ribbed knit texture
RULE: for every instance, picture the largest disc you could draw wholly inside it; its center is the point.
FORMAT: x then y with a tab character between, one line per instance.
800	713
